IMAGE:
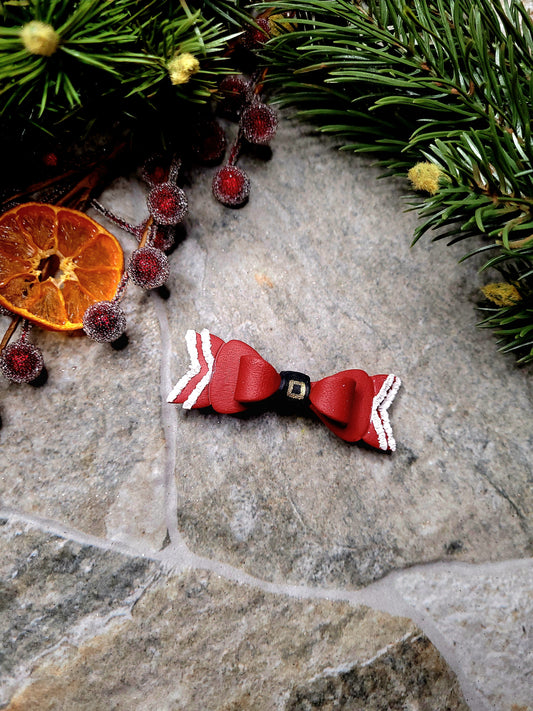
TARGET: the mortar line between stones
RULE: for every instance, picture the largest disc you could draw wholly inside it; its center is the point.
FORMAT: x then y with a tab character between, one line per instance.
381	595
170	428
63	530
180	557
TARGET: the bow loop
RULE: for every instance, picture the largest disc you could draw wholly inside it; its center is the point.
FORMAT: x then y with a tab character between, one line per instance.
333	397
256	380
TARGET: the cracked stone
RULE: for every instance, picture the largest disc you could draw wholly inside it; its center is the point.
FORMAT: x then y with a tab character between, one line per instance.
56	593
197	641
281	496
487	616
88	448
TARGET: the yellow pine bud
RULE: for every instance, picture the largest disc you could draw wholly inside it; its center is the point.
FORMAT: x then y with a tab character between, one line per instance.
501	293
39	38
279	24
182	67
425	176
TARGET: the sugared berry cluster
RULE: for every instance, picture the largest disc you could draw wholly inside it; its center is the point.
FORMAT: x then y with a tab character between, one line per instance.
257	125
148	266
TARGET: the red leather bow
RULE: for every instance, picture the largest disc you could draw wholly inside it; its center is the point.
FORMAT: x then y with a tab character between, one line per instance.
232	376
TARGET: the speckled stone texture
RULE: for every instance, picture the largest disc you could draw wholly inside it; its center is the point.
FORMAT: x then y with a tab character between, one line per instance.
110	632
55	593
318	275
488	615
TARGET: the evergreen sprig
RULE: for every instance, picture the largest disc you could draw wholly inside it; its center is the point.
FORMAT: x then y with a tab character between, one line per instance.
447	82
100	48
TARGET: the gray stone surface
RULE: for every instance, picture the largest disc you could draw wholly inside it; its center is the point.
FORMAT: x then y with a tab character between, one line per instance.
54	594
78	448
317	274
103	631
487	616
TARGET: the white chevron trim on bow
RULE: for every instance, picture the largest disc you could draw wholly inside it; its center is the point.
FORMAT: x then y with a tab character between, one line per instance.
195	368
380	417
204	382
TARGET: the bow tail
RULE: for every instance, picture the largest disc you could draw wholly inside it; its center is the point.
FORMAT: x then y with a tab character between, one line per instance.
379	433
192	389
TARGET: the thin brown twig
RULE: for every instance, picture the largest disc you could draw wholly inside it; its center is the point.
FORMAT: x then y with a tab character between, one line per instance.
10	331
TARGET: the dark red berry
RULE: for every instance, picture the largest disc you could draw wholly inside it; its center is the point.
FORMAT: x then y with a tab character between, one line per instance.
209	142
163	238
148	267
104	322
155	170
50	159
259	123
167	204
231	186
234	90
256	36
21	362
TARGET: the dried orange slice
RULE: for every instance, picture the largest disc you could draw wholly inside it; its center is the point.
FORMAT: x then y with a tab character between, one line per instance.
55	263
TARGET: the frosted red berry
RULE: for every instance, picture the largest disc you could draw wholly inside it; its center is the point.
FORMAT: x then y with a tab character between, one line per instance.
163	238
209	142
21	362
259	123
231	186
234	90
104	322
148	267
155	170
256	36
167	204
50	159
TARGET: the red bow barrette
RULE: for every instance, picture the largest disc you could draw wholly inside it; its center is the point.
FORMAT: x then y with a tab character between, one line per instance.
230	377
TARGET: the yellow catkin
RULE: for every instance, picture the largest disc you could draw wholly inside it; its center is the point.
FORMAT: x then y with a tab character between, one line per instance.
39	38
501	293
279	24
182	67
425	176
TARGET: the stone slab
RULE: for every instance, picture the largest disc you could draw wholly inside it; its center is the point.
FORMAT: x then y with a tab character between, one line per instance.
55	594
316	273
99	630
485	615
78	448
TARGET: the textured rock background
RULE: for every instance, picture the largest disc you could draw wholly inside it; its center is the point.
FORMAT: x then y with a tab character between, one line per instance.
317	274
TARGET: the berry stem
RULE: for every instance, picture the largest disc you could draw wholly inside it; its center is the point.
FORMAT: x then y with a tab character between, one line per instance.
26	327
134	230
94	174
174	170
10	331
79	197
121	288
257	83
37	187
147	230
235	149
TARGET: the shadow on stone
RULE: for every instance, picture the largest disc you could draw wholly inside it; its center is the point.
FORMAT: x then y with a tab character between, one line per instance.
41	379
121	342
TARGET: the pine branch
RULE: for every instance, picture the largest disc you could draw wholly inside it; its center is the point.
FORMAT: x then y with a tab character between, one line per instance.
58	57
